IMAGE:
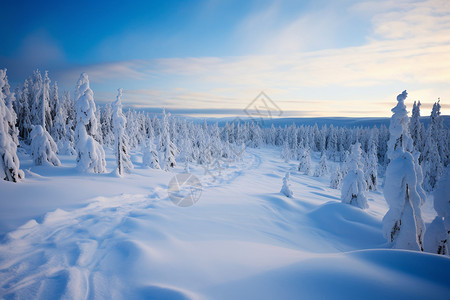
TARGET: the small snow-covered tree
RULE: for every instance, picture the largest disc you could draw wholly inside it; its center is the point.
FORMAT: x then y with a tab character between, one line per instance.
91	156
437	236
150	157
305	161
286	188
402	225
286	152
354	186
322	166
9	162
121	148
43	148
336	178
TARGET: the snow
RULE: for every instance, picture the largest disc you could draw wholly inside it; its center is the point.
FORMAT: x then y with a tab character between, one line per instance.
69	234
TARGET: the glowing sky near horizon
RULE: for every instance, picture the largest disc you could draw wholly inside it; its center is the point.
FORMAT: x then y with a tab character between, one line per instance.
212	58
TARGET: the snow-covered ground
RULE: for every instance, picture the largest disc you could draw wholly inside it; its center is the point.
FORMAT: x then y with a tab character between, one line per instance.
69	235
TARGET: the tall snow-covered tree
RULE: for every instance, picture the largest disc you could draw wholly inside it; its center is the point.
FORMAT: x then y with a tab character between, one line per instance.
24	116
437	235
402	225
416	127
354	186
124	164
53	103
106	126
44	104
167	148
91	156
437	132
9	162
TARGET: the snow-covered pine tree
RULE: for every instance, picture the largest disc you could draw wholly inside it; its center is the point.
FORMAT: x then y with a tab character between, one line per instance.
53	104
371	166
402	225
336	178
121	149
432	165
305	161
59	125
9	162
416	127
43	148
9	103
150	156
91	156
438	132
44	104
354	186
286	151
24	113
437	235
167	148
106	125
286	188
322	167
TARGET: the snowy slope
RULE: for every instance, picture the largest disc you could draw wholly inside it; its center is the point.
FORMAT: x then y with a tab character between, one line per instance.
68	235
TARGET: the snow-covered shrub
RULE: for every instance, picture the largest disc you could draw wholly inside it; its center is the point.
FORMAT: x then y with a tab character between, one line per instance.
91	156
43	148
402	225
121	149
354	186
9	162
322	167
438	233
336	178
286	188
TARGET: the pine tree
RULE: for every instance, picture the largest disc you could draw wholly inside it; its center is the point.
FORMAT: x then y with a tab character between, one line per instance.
437	236
121	149
322	167
24	117
91	156
354	185
43	148
416	127
106	126
9	103
336	178
402	225
305	161
286	152
9	162
150	157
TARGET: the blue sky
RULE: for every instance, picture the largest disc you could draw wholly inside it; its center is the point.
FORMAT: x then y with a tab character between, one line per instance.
313	58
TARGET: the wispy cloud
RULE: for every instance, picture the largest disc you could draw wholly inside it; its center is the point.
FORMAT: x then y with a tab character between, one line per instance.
408	47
